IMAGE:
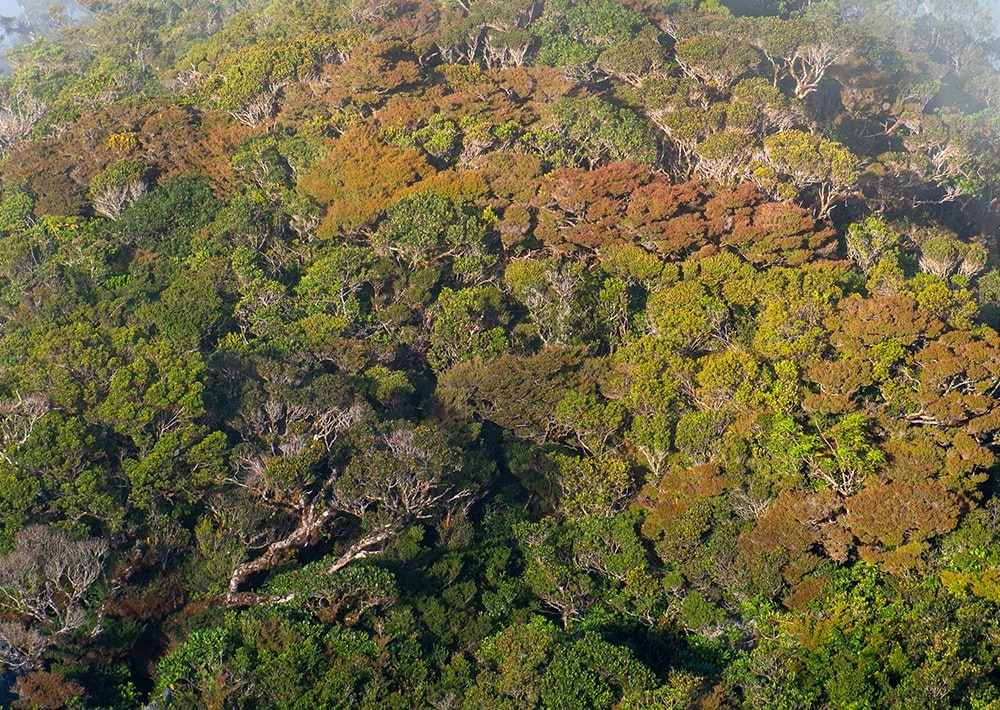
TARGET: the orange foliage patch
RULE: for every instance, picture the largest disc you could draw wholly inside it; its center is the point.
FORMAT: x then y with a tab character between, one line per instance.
360	178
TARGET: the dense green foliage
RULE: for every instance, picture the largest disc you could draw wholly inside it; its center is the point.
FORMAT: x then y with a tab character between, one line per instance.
502	354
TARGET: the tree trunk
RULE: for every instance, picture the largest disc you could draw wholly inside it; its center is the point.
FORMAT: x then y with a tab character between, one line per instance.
277	552
362	548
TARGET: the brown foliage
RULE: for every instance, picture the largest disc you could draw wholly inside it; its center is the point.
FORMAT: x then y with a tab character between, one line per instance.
837	383
795	526
678	490
889	523
623	202
585	206
807	590
154	601
895	513
678	509
407	110
684	235
764	232
861	323
620	202
459	185
360	178
177	141
959	375
58	169
374	69
303	102
417	22
538	86
781	232
511	176
912	459
733	208
41	690
171	140
471	92
55	171
658	201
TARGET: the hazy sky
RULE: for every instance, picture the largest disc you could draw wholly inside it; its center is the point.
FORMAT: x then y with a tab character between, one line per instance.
994	7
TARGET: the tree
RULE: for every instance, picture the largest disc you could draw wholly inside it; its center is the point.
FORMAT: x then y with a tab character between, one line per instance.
800	49
646	378
637	59
154	399
894	522
804	161
867	241
20	112
957	378
594	486
558	294
681	115
686	317
359	179
121	184
426	228
403	481
46	689
718	61
400	479
511	664
20	415
551	572
571	34
723	157
196	308
590	131
335	283
595	673
168	216
954	152
517	393
194	668
468	324
842	455
47	579
250	79
939	256
769	109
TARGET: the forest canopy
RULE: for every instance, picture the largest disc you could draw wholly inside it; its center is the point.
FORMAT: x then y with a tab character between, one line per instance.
501	354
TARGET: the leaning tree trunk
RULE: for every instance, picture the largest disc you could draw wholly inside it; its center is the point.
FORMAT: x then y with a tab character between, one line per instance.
370	544
310	524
